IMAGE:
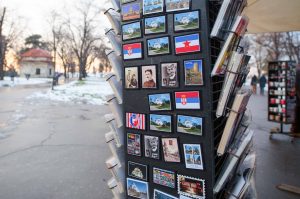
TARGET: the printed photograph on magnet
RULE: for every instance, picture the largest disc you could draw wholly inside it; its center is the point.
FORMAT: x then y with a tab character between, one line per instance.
164	177
131	78
187	44
137	189
137	170
134	144
177	5
186	21
136	121
158	46
193	72
193	156
189	125
126	1
170	149
131	11
149	77
162	195
153	6
160	102
191	187
161	123
187	100
169	75
131	31
132	51
151	146
155	25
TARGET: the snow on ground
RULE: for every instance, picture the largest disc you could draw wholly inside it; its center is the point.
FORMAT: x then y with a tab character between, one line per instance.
7	82
89	91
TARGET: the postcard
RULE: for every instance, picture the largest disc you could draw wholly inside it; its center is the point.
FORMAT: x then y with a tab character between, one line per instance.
131	78
160	102
151	145
164	177
189	124
169	76
149	78
131	11
134	144
193	156
132	31
137	170
137	189
158	46
155	25
161	123
193	72
191	187
170	149
153	6
186	21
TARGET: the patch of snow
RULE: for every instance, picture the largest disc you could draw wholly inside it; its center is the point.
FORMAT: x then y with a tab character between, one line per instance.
7	82
89	91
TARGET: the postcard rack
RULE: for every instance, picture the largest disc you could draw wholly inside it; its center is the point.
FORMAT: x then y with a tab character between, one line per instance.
140	167
281	94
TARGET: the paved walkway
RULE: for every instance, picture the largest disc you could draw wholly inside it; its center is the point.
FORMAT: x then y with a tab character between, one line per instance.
278	160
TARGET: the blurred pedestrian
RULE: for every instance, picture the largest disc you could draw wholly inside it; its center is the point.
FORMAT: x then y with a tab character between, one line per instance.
262	84
254	83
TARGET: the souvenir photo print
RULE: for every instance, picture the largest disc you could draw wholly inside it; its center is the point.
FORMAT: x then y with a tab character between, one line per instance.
132	31
153	6
132	51
158	46
193	156
135	121
137	189
189	125
169	75
177	5
162	195
151	145
187	44
134	144
164	177
149	76
193	72
155	25
131	78
161	123
170	149
191	187
131	11
160	102
137	170
187	100
186	21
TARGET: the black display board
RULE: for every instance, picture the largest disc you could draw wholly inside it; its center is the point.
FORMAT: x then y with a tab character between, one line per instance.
281	92
136	101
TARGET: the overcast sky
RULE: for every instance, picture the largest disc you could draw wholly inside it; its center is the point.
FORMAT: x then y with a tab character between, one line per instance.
36	12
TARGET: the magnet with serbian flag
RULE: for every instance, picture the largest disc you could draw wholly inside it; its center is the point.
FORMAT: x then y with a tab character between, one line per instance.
187	44
187	100
135	121
132	51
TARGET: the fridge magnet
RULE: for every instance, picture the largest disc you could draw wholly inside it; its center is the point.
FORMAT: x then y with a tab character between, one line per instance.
191	187
132	51
158	46
149	76
162	195
151	144
137	189
170	149
177	5
134	144
155	25
137	170
193	156
161	123
169	75
160	102
131	11
126	1
193	72
153	6
187	44
131	31
187	100
186	21
131	78
135	121
189	125
164	177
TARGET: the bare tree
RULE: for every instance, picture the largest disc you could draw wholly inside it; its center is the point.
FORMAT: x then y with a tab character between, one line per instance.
84	36
292	45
